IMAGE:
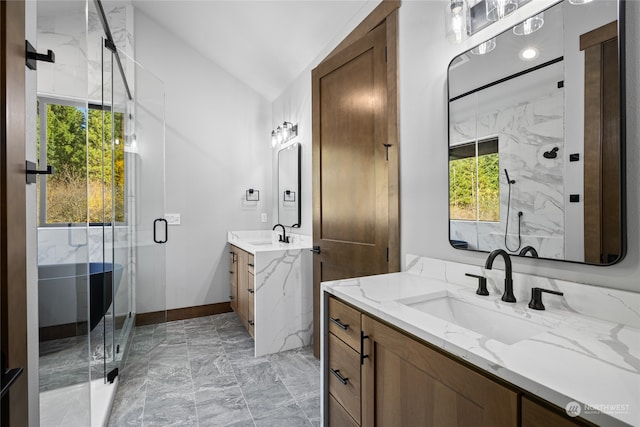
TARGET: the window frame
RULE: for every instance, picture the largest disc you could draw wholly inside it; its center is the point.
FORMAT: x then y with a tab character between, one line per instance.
490	142
43	101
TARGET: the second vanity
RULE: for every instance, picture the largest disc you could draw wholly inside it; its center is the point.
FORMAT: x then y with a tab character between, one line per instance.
421	346
271	289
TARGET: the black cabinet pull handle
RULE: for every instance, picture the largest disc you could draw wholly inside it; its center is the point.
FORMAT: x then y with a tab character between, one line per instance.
251	322
316	249
250	265
338	323
250	290
362	355
231	297
337	374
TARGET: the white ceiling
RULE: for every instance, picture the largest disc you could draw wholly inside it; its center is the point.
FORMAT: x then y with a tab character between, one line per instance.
266	44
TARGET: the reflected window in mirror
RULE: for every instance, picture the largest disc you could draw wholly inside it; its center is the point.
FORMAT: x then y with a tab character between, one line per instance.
289	208
536	147
473	181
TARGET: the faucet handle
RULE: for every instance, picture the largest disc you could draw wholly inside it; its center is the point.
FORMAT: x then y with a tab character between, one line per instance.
482	284
536	297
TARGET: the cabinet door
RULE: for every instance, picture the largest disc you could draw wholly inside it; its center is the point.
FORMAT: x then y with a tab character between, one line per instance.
406	383
233	277
250	303
243	295
536	415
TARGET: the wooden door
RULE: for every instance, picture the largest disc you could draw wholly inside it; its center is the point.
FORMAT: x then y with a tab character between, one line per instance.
13	255
406	383
602	156
355	173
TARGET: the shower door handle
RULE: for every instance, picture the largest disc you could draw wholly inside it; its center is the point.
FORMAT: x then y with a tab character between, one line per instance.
166	230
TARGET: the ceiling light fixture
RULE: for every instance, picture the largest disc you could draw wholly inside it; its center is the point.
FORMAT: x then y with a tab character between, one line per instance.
484	48
530	25
529	53
283	134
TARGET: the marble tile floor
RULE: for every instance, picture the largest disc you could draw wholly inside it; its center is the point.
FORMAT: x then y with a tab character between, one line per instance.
66	361
202	372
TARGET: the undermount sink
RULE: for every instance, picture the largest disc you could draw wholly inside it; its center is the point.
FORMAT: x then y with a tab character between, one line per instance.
261	243
484	321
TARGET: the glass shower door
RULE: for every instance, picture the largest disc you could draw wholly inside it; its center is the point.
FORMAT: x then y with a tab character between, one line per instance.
145	154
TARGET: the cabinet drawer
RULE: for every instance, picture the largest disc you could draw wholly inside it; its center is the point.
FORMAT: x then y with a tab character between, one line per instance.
250	264
344	376
338	417
344	322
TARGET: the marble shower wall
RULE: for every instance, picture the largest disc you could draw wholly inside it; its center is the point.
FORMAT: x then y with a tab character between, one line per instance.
77	43
525	131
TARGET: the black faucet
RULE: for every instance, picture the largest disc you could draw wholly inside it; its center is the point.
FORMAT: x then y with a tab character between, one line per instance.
507	296
282	237
529	249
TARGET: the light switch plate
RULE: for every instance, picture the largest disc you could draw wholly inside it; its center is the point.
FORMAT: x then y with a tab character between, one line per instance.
172	218
263	217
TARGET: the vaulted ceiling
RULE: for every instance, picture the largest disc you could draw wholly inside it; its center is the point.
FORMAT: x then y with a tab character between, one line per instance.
266	44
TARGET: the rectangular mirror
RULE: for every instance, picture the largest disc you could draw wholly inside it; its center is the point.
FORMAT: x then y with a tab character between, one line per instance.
536	137
289	185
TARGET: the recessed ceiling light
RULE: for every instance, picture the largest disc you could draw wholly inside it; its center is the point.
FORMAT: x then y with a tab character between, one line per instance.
529	53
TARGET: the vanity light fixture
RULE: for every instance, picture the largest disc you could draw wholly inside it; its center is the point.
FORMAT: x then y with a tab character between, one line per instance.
283	134
456	19
498	9
530	25
484	48
529	53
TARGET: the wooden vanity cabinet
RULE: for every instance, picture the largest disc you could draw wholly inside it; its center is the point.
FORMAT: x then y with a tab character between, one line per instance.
242	301
394	380
406	383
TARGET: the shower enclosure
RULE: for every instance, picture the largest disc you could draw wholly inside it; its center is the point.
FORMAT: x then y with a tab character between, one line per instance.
100	214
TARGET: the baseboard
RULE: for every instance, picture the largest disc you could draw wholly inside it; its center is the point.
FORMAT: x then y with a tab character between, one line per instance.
198	311
151	318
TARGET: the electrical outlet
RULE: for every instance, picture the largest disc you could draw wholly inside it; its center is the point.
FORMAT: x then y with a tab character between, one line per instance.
172	218
263	217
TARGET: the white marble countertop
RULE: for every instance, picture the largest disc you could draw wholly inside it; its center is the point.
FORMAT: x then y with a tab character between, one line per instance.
567	357
254	241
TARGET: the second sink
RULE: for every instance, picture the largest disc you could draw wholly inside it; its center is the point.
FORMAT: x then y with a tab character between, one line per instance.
484	321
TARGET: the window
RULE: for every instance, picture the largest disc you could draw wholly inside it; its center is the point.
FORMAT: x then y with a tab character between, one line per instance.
474	185
89	171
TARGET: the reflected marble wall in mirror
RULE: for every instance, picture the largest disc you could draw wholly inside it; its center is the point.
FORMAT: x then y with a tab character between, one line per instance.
289	185
536	146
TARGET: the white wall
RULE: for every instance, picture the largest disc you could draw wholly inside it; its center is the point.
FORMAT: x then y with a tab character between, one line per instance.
424	57
217	146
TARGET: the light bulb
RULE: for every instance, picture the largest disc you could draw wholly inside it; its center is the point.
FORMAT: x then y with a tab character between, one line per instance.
274	139
530	25
484	48
529	53
498	9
